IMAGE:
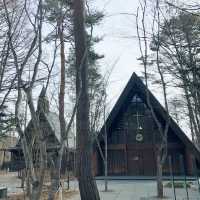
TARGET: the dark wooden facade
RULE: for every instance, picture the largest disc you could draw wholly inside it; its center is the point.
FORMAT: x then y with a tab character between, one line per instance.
50	126
132	137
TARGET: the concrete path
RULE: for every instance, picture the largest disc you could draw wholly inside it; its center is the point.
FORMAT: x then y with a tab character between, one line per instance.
118	189
137	190
10	181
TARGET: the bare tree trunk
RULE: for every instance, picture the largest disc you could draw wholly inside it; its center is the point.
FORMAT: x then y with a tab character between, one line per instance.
37	184
106	148
159	177
54	183
28	185
57	159
162	148
55	174
87	185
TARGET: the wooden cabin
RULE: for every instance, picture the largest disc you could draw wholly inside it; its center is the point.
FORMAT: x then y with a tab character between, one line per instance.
6	142
50	126
132	138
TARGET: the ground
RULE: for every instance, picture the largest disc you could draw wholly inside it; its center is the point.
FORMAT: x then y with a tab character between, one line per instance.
138	190
10	181
65	195
118	189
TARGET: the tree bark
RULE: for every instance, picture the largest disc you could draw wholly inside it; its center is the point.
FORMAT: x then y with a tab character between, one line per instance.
87	185
55	174
57	160
159	177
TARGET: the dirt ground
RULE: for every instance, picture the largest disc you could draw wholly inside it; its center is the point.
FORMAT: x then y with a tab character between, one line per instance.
11	181
65	195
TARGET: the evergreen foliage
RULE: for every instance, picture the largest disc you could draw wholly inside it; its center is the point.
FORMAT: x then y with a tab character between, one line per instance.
7	121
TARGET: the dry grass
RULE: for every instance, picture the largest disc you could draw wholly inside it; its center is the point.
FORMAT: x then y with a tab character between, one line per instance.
20	196
65	194
47	176
3	172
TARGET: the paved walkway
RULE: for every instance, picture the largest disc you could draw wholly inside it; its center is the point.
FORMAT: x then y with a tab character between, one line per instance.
152	178
118	189
137	190
10	181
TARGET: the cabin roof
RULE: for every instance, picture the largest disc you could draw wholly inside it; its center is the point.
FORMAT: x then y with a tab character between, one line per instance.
136	85
49	121
53	120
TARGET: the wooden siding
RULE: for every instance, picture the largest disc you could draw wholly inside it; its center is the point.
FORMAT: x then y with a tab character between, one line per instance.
128	156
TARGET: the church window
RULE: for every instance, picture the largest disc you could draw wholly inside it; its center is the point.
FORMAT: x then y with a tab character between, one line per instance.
137	105
136	99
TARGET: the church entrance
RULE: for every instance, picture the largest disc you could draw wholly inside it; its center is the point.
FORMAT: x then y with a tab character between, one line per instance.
141	162
136	160
135	163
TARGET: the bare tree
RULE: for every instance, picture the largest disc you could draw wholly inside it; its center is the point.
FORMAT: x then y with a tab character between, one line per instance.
7	76
33	49
179	47
161	145
87	185
56	162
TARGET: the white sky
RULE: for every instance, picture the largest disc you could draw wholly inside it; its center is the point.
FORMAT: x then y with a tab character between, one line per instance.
115	46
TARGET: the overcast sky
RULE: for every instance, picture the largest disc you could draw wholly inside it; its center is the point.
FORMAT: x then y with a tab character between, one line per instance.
120	44
120	41
115	46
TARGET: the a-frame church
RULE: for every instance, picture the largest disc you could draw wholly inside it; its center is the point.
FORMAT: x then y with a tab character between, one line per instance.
131	138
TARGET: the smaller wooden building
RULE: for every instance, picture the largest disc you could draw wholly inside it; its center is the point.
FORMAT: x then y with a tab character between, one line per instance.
132	137
50	126
5	156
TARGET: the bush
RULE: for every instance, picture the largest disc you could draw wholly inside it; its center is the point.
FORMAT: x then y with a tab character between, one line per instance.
178	184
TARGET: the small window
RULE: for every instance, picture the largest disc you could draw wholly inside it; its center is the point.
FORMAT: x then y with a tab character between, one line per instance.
137	105
136	99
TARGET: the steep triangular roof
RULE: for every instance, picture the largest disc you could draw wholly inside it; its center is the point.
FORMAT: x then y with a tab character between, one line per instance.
135	85
50	120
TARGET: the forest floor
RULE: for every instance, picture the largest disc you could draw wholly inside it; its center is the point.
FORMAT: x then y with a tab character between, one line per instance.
118	190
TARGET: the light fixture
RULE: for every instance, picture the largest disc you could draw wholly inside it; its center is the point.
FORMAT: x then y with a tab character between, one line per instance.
139	136
139	127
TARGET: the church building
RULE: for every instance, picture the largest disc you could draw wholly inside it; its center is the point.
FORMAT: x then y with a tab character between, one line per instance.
132	137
